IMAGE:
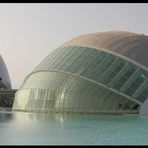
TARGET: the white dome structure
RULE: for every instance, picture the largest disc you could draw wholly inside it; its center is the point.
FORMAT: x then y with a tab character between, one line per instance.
101	72
4	75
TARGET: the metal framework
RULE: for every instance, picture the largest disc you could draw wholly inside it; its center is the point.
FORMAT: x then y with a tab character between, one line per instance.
85	80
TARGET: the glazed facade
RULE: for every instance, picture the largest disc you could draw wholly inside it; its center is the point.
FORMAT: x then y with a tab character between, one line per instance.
84	79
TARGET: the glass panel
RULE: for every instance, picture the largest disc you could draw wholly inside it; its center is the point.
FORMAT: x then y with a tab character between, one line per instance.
144	93
134	86
124	78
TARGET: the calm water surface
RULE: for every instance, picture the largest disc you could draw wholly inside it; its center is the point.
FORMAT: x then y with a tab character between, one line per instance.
18	128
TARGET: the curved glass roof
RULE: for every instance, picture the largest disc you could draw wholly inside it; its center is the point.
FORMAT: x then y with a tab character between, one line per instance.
99	66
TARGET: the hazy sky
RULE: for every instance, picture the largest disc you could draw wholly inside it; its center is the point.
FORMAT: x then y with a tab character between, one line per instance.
29	32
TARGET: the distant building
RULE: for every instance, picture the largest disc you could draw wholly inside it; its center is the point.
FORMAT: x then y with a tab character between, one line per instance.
5	84
4	76
101	72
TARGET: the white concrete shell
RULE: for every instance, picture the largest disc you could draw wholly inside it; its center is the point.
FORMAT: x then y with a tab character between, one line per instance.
4	74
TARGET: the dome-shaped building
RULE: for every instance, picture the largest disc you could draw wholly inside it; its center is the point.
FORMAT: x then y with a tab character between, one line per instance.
6	99
4	76
101	72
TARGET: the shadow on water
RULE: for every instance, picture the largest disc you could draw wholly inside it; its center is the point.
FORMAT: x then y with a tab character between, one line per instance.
5	114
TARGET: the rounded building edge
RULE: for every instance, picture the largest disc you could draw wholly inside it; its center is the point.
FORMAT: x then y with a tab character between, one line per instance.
73	95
